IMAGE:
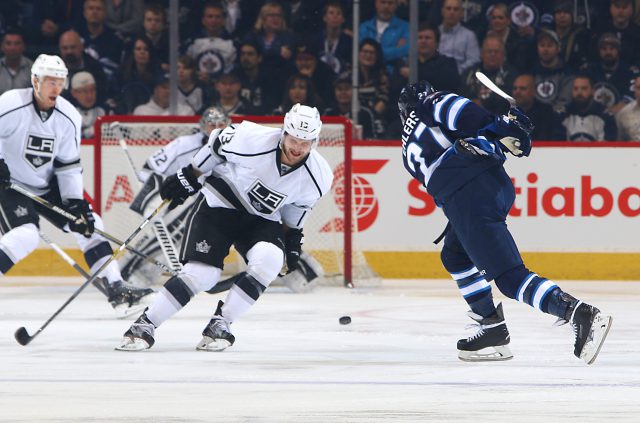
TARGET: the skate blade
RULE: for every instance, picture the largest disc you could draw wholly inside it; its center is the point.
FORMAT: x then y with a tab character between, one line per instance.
210	344
497	353
132	344
600	328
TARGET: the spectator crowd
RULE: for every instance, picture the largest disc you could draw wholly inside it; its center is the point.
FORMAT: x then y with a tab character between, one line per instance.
572	65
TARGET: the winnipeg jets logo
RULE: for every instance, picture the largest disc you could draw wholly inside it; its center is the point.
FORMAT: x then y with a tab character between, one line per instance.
21	211
264	199
203	246
38	150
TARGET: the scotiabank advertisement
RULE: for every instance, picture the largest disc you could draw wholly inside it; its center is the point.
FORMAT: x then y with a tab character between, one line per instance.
573	199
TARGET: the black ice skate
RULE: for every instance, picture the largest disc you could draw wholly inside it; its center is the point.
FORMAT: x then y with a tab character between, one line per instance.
590	328
491	341
125	298
139	336
217	335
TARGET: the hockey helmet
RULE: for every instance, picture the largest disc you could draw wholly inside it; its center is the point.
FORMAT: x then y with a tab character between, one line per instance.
49	65
409	96
303	122
213	117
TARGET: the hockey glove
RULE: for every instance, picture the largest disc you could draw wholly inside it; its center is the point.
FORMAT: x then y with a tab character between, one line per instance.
512	131
85	222
293	240
5	175
180	186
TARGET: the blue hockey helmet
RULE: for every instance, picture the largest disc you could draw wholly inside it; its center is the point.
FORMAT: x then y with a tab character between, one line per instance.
409	96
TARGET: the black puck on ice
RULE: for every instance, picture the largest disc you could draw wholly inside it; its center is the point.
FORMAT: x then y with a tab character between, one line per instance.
345	320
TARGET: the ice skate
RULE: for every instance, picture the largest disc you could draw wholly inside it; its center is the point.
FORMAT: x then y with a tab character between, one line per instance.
126	299
491	341
590	328
139	336
217	335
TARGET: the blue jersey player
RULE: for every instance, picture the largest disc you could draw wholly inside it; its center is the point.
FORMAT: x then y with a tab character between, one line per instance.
456	149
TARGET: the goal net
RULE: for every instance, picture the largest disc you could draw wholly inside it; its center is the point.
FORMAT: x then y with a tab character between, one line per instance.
327	235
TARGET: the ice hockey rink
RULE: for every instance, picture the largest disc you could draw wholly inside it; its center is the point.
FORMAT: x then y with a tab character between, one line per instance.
293	361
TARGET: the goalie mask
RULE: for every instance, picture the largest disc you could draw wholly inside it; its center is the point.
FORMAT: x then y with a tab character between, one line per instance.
213	118
47	65
302	122
409	96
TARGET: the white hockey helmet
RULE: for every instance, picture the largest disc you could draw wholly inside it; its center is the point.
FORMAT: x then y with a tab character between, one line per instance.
303	122
48	65
215	117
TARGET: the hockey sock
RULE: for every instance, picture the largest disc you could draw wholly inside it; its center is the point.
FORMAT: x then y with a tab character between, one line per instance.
175	294
242	295
527	287
476	291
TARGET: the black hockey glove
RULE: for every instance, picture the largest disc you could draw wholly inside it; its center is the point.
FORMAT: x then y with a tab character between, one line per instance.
5	175
179	187
85	222
293	240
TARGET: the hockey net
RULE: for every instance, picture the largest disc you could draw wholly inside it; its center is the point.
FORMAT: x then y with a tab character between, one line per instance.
326	239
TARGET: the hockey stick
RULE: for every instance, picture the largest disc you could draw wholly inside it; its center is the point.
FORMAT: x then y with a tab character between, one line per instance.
70	261
159	228
23	337
71	217
493	87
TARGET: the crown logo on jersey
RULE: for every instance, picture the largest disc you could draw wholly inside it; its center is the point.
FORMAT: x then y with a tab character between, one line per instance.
203	246
21	211
37	161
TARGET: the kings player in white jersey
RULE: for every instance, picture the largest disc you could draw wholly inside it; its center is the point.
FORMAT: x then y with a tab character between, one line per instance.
251	179
40	152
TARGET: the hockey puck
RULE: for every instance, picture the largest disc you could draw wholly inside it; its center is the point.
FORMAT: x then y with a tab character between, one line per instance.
345	320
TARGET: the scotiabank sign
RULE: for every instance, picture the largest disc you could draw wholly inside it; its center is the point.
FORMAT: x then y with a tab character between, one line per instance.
567	199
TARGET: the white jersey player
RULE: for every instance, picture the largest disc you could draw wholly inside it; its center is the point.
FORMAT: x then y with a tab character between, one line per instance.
40	152
259	177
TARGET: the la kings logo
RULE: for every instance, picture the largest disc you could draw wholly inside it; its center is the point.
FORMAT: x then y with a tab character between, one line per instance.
39	150
264	199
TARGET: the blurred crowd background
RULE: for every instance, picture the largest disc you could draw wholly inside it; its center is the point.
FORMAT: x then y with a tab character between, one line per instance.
572	65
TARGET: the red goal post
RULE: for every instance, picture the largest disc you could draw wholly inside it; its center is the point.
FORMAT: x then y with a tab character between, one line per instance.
326	237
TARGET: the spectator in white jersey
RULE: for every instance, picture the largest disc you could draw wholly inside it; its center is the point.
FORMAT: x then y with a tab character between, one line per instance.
40	152
159	103
259	177
84	93
628	119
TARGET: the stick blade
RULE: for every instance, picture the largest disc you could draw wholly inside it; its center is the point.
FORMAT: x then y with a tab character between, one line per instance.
22	336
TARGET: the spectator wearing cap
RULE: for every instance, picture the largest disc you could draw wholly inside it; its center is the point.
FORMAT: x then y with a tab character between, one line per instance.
553	77
493	64
261	91
84	95
519	50
191	92
227	90
212	48
612	77
306	62
628	119
440	70
541	114
135	80
333	43
72	53
455	40
159	103
574	39
15	68
341	106
390	31
584	119
622	25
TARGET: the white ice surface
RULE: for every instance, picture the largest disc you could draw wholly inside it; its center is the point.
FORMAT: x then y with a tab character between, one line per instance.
293	362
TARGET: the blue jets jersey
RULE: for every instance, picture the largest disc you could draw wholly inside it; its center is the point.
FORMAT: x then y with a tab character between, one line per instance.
427	143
